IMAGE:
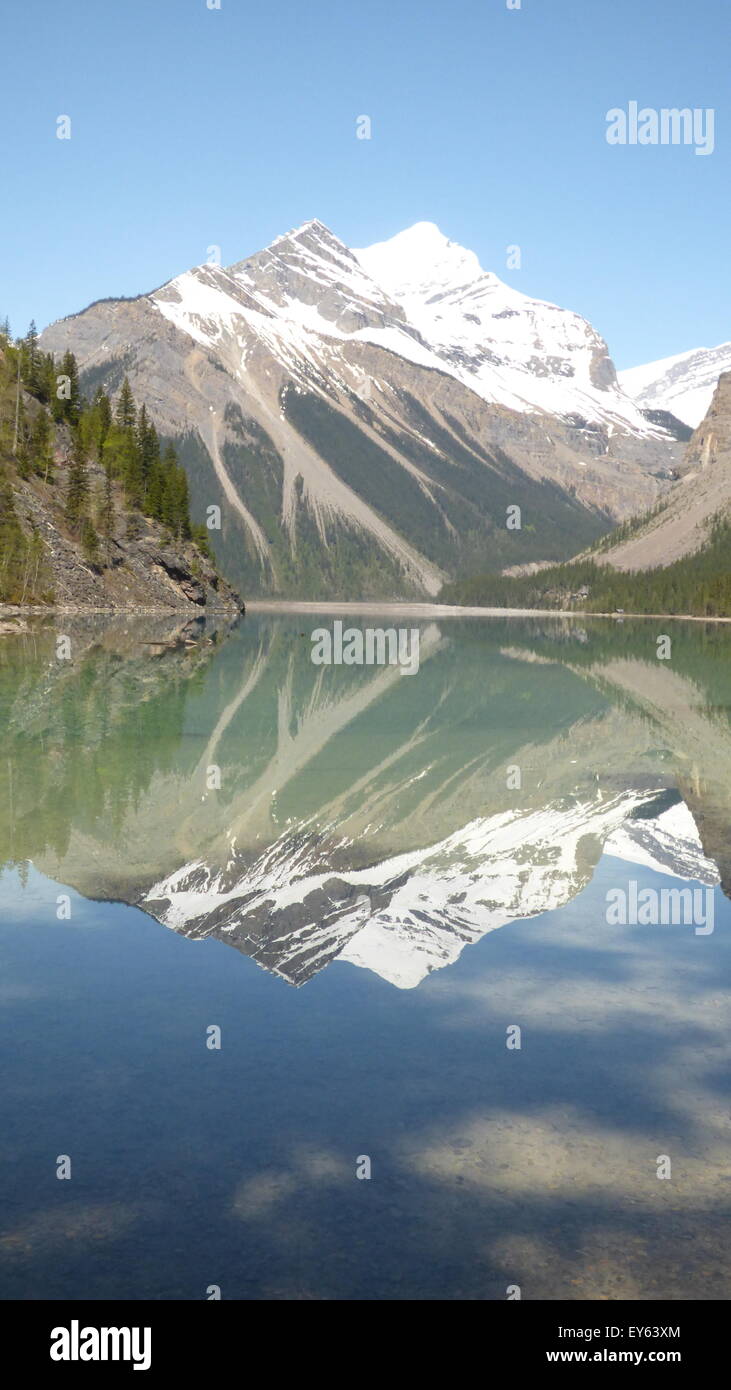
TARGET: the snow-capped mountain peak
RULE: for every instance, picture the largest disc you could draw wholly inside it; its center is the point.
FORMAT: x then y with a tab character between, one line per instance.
311	265
513	350
683	384
422	263
427	298
313	225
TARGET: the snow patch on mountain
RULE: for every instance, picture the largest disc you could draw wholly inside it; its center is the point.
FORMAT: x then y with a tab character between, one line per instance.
511	349
683	384
214	305
420	264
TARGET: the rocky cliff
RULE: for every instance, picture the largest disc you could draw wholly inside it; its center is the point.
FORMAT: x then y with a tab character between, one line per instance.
80	527
143	569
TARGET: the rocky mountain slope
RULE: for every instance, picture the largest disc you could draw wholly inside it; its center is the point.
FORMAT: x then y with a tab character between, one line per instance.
683	524
683	384
70	532
144	570
364	420
674	559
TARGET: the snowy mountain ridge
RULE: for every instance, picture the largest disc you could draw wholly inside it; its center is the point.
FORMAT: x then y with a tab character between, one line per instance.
524	353
419	295
683	384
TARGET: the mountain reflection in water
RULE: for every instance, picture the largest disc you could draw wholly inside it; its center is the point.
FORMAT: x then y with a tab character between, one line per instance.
221	783
301	814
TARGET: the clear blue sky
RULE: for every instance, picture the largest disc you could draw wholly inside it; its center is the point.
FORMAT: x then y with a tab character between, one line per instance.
193	127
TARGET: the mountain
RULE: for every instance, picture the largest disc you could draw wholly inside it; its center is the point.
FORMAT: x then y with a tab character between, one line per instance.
683	385
684	522
512	350
364	420
673	559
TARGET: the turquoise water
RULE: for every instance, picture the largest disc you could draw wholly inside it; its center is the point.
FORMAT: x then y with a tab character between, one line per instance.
364	903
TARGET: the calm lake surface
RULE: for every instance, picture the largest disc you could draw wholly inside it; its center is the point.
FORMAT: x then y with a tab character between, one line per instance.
368	882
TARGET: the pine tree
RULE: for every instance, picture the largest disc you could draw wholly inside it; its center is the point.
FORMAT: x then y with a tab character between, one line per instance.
126	412
12	545
66	394
142	426
34	559
131	465
41	446
47	378
89	542
31	356
103	412
183	504
77	495
106	515
155	491
175	512
149	450
201	537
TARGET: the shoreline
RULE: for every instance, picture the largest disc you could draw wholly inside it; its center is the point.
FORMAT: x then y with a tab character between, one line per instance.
395	607
29	610
446	610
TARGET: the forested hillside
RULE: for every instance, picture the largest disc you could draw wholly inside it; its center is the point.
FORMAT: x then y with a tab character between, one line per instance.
699	584
86	480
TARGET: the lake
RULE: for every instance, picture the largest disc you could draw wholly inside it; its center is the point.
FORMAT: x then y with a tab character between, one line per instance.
330	982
